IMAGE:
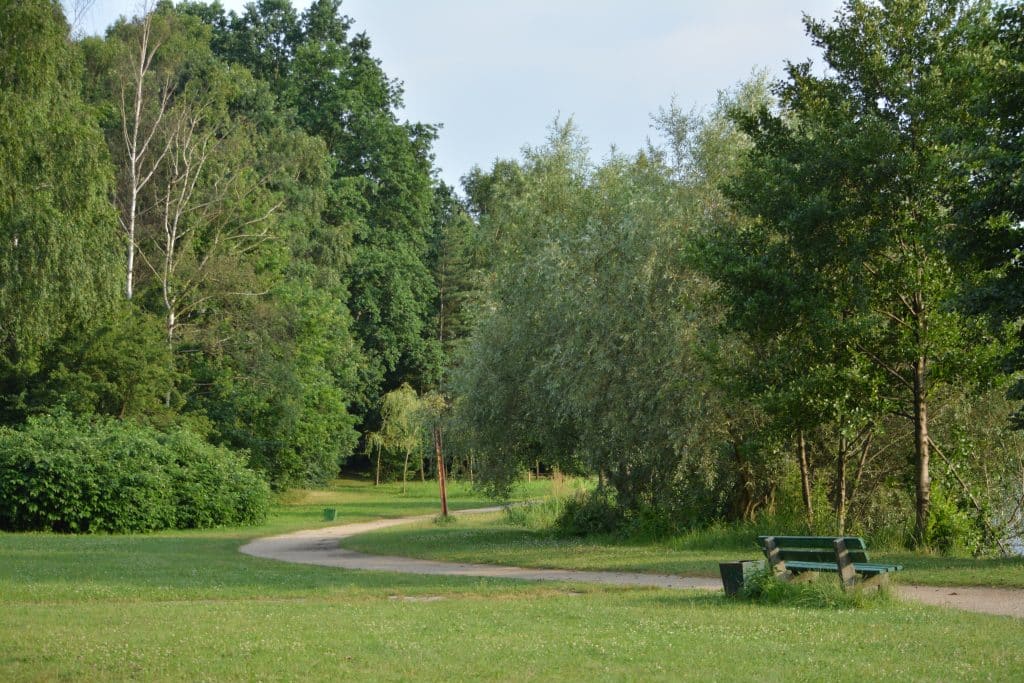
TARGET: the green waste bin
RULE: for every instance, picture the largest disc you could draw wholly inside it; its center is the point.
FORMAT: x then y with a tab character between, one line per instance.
735	574
330	514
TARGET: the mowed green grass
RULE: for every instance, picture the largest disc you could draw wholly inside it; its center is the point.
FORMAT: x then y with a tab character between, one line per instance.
492	539
491	634
189	606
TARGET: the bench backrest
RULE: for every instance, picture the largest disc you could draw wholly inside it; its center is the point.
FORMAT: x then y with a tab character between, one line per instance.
817	548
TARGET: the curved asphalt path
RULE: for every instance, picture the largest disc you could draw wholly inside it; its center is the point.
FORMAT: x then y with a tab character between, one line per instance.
320	547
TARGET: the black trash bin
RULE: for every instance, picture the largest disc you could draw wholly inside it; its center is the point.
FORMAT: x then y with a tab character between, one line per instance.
735	574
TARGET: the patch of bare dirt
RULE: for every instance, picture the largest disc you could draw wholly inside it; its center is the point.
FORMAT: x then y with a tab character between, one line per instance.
1006	601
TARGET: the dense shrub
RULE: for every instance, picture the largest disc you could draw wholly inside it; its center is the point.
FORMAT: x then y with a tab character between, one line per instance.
952	530
592	513
80	475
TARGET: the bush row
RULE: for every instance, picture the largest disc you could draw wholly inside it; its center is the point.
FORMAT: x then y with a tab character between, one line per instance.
80	475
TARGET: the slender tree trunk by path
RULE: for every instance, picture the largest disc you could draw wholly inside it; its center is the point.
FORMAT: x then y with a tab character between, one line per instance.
865	447
841	485
442	478
805	478
405	471
377	480
921	447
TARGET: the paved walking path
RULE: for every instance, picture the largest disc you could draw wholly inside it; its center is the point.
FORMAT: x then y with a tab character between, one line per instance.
320	547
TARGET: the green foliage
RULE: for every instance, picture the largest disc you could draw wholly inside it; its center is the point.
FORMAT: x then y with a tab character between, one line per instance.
399	412
381	192
59	240
239	252
280	392
674	322
120	368
841	273
407	424
456	261
593	513
85	476
212	486
951	529
988	144
597	348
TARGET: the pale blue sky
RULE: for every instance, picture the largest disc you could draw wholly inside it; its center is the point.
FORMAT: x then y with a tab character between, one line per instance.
496	73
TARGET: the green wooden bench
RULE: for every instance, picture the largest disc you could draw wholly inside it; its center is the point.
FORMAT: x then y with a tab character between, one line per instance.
791	556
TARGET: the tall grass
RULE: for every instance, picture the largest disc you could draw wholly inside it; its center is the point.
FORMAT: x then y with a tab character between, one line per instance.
820	592
539	515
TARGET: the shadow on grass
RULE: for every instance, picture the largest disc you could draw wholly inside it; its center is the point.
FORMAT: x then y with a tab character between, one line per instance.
504	545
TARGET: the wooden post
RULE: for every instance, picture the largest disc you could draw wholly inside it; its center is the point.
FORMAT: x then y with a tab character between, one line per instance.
441	474
847	575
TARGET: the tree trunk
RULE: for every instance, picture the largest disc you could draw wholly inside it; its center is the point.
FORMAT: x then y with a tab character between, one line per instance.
805	479
841	486
921	447
377	480
743	503
405	471
442	478
129	288
861	463
137	135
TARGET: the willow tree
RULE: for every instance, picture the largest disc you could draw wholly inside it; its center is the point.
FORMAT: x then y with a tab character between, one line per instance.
58	232
400	430
596	347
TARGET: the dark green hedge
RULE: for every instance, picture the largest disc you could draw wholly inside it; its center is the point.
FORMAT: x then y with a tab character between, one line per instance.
83	475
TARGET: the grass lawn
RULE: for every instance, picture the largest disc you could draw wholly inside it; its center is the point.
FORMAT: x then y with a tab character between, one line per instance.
493	539
189	606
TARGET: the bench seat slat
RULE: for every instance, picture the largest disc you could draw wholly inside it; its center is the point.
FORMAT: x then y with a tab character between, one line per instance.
860	568
799	566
